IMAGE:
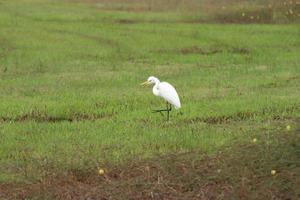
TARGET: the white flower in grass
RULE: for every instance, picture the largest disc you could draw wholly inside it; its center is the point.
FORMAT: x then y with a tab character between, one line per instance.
101	171
273	172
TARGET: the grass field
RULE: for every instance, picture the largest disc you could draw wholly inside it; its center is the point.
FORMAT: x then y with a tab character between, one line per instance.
71	103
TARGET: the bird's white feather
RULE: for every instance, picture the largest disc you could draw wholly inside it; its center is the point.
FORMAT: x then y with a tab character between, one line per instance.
168	93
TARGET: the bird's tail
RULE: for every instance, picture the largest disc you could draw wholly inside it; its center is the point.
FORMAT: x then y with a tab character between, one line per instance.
177	107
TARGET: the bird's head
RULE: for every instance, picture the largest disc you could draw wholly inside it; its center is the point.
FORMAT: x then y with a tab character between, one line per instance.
151	81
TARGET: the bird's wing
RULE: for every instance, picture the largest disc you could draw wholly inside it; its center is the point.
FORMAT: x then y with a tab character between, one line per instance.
168	92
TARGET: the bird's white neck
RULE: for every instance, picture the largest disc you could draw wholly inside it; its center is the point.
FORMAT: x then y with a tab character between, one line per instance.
156	82
155	88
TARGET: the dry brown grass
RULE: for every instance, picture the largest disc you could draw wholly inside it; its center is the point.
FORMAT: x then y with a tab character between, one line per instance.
239	172
222	11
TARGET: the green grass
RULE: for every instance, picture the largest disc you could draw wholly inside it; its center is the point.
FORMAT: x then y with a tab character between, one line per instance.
70	93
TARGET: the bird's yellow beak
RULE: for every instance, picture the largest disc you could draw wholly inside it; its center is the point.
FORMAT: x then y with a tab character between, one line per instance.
145	83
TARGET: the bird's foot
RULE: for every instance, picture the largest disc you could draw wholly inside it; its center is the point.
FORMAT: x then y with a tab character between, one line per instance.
156	111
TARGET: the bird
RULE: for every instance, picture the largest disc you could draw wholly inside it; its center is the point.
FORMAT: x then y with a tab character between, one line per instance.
166	91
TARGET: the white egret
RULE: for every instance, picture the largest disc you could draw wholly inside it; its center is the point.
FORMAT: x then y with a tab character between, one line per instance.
166	91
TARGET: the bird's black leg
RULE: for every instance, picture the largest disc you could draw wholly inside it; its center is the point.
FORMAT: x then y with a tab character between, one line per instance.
168	110
165	110
162	110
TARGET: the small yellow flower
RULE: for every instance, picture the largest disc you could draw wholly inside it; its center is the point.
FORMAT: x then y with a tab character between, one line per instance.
243	14
273	172
288	127
254	140
101	171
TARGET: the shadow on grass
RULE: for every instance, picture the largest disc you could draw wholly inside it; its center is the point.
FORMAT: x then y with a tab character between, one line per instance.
269	112
272	113
42	117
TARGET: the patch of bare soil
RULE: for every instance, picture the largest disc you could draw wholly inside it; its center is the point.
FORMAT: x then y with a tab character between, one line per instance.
206	51
242	171
198	50
127	21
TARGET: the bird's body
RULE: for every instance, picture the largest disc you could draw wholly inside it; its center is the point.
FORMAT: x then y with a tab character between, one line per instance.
166	91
